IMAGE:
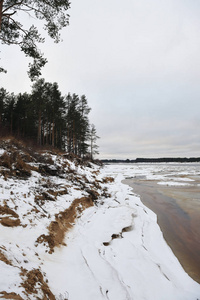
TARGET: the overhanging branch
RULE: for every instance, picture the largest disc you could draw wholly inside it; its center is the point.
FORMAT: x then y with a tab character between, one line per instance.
9	14
11	6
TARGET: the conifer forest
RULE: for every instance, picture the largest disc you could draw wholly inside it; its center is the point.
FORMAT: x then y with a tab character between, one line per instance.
47	118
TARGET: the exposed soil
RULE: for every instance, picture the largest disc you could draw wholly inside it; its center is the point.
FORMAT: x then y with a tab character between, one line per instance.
10	222
13	296
4	258
14	165
6	210
33	281
63	223
12	218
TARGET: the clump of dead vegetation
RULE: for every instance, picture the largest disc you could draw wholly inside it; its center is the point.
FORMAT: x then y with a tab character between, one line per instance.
8	217
3	257
108	179
33	281
14	165
6	295
18	160
64	221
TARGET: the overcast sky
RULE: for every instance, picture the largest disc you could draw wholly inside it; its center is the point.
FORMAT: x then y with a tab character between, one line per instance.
138	63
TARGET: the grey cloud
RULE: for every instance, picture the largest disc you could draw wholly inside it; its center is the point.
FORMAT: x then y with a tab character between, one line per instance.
138	63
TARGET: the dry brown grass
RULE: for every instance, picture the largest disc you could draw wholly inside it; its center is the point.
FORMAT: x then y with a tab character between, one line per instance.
32	280
6	161
108	180
15	165
12	218
63	223
4	258
13	296
7	222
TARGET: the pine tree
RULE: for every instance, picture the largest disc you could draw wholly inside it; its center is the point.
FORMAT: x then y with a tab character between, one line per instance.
93	138
9	112
24	118
39	98
12	32
48	118
77	124
3	94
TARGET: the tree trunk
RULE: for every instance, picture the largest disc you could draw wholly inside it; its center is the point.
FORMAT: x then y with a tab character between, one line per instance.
43	133
49	134
60	134
18	128
11	123
1	8
74	138
39	128
53	134
91	149
56	143
68	140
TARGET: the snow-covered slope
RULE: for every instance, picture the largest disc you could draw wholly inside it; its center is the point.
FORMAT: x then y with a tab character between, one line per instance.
68	231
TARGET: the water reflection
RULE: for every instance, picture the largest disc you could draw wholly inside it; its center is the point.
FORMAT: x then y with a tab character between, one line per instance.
173	193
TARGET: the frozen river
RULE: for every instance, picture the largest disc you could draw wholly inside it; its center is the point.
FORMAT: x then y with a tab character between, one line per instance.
172	191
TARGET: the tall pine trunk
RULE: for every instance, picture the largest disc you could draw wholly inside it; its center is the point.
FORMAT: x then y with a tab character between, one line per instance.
11	123
53	134
1	8
39	128
49	134
74	137
43	133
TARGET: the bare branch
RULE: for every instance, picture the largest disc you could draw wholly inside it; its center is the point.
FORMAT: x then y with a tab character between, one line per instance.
20	28
30	8
8	15
11	6
1	7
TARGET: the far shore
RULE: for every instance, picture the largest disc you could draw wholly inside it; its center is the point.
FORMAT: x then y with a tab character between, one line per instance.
178	211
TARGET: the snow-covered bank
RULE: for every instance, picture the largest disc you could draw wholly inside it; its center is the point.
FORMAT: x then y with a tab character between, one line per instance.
57	244
117	251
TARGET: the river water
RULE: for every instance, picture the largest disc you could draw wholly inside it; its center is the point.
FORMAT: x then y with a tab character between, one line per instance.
172	191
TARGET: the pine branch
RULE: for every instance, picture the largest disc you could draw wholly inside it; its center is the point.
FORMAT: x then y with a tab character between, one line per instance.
11	6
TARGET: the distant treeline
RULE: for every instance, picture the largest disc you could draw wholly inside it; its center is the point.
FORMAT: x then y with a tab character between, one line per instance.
154	160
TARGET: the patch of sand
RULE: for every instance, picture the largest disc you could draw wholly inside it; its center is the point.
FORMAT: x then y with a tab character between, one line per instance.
64	222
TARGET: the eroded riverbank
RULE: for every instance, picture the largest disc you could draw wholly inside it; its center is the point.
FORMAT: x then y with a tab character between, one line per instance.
178	213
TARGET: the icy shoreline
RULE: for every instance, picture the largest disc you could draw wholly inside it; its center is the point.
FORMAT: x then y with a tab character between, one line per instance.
103	260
